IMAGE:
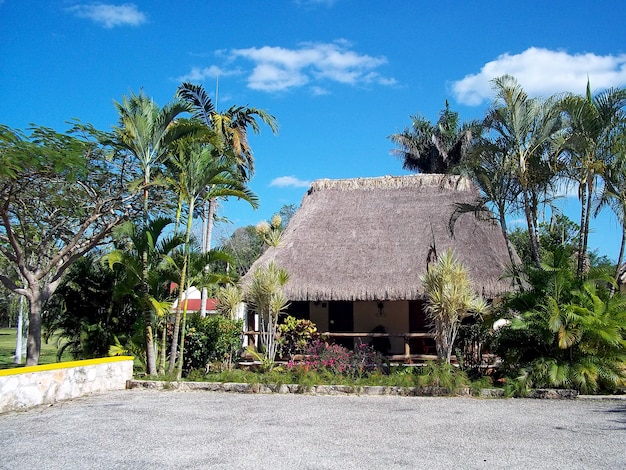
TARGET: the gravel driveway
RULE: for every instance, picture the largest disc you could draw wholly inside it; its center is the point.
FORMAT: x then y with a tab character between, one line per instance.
147	429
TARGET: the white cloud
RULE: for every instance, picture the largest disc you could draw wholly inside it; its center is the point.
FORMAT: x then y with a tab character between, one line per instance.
319	91
275	69
279	68
199	74
109	15
289	182
543	72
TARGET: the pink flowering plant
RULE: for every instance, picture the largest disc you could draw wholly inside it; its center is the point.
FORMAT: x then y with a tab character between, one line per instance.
334	359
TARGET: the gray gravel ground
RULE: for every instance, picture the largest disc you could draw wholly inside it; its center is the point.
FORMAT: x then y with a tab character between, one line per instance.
147	429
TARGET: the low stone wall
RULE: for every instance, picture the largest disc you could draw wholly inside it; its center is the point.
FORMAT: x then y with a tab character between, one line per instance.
24	387
294	388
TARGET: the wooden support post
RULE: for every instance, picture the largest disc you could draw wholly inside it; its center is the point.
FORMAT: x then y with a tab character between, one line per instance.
407	349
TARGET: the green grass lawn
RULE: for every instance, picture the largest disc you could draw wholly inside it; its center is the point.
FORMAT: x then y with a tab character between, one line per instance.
7	350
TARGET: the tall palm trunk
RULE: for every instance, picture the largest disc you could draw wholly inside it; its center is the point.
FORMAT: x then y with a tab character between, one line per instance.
174	357
585	210
532	229
179	330
509	249
179	210
620	257
151	368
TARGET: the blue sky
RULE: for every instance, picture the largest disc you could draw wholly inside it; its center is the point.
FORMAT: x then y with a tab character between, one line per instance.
339	75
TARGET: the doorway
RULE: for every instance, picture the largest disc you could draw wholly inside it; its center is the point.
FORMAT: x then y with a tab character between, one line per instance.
341	320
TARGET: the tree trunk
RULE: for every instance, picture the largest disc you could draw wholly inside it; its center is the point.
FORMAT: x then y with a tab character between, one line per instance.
177	328
33	343
532	233
151	368
620	257
585	199
179	372
183	280
509	249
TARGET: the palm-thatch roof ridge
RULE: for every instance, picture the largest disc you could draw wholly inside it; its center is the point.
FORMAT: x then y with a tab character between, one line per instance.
372	238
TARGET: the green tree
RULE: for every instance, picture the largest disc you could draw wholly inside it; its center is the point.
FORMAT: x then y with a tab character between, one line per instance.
147	131
614	196
582	340
87	312
591	124
449	299
245	246
200	273
434	148
137	245
198	168
524	128
286	212
489	167
62	196
231	127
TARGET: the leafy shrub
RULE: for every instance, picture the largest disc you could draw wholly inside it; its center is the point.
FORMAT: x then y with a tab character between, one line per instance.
295	335
211	339
565	332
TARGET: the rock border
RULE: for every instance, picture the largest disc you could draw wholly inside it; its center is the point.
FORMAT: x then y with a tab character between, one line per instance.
370	390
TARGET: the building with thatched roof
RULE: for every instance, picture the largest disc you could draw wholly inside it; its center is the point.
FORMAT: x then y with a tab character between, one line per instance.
356	248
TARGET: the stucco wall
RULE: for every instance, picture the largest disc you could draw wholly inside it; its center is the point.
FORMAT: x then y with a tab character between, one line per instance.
38	385
395	319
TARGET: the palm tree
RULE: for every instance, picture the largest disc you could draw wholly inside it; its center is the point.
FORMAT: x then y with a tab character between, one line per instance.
614	190
489	167
198	274
524	128
231	127
428	148
198	168
592	122
146	130
136	245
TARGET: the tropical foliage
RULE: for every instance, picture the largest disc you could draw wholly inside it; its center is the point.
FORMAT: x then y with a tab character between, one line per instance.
449	300
265	296
434	148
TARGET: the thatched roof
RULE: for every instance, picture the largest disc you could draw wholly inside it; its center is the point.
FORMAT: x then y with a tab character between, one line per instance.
370	238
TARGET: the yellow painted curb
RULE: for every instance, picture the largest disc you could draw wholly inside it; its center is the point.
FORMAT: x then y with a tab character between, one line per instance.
64	365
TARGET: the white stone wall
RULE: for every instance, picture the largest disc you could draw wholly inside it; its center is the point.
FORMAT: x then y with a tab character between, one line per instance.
38	385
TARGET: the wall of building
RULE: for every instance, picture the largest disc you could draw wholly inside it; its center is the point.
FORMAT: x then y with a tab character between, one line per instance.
393	316
39	385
